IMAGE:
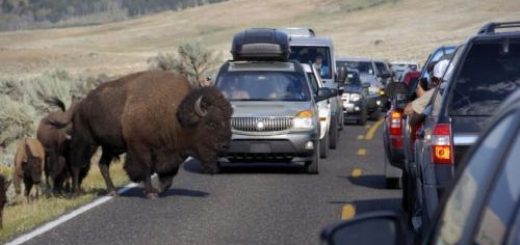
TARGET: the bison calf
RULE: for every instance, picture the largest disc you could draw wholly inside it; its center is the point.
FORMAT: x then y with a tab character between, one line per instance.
28	166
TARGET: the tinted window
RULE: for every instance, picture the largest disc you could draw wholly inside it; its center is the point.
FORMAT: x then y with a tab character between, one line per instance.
500	210
462	202
353	78
310	55
263	86
363	67
381	67
489	74
313	82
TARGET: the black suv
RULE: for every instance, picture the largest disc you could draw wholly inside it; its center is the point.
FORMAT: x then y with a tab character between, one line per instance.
483	72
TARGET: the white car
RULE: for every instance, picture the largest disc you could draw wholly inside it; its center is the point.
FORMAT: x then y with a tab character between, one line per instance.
323	108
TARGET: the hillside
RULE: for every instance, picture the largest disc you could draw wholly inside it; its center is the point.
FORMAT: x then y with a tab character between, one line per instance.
402	29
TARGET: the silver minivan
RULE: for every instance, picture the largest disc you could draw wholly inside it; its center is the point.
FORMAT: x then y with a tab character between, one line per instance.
276	118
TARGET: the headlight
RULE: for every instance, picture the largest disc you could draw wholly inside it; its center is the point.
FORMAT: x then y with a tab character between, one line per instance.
303	120
355	97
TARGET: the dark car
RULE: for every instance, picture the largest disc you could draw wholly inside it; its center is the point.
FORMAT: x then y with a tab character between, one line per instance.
483	71
480	207
355	95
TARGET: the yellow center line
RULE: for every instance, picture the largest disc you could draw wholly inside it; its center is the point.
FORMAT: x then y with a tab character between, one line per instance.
361	152
361	137
372	131
348	212
368	126
357	172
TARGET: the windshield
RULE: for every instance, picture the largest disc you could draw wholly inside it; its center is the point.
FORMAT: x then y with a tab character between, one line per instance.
263	86
490	73
364	67
319	56
353	78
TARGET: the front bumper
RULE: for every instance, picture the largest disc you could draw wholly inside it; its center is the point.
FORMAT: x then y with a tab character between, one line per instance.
286	148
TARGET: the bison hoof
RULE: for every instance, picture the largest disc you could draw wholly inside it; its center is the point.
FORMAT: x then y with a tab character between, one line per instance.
152	195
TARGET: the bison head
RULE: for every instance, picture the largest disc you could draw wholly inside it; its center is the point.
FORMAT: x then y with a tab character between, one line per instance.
206	114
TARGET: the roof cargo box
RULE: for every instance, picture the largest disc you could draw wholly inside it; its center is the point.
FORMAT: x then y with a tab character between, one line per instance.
260	44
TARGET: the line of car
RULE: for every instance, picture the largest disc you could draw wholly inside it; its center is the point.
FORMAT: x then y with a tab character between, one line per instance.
459	157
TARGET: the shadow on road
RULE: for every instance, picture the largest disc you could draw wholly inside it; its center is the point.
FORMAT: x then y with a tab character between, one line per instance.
193	166
139	192
370	181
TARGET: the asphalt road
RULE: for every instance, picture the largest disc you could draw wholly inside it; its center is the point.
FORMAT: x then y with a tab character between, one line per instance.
260	205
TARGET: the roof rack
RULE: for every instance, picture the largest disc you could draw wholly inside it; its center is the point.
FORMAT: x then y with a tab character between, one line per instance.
490	27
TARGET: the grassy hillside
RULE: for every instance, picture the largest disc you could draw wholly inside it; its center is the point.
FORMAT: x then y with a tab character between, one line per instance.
406	29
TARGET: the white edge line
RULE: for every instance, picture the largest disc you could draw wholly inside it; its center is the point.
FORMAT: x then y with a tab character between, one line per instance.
66	217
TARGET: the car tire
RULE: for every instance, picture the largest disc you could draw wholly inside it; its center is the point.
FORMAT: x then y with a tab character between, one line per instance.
363	117
393	183
333	134
407	202
324	146
312	166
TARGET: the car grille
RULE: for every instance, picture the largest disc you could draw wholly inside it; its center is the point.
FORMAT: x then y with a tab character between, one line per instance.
261	124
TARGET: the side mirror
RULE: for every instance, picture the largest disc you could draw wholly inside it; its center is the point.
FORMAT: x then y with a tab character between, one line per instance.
385	75
390	230
342	75
325	93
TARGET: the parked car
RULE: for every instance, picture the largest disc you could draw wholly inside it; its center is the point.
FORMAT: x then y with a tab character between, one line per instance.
323	108
306	50
355	96
483	71
480	206
375	72
276	118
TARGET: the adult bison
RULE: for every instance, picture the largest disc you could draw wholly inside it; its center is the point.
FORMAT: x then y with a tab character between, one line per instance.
157	119
56	141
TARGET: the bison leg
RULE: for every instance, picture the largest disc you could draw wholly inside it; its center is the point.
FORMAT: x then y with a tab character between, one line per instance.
140	164
28	186
166	170
104	165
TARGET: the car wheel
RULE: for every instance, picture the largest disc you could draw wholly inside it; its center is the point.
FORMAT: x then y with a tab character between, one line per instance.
324	146
363	117
333	134
407	201
312	166
393	183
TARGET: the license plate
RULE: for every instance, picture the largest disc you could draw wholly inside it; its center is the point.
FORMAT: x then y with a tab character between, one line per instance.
260	148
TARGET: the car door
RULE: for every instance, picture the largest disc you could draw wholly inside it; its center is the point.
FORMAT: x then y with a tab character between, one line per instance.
459	217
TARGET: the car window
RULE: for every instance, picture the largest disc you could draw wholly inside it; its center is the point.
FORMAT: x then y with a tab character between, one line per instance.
381	67
462	201
363	67
500	210
264	86
310	55
313	81
489	74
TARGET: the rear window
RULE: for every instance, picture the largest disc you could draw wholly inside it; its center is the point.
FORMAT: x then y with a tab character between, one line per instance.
491	71
363	67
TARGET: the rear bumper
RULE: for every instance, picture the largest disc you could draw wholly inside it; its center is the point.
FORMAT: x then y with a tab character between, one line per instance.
275	148
352	110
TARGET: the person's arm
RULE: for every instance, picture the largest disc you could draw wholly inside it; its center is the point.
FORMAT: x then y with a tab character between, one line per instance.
408	110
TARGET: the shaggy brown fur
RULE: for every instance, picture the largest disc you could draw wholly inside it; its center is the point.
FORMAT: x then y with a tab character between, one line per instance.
56	143
3	198
140	114
28	165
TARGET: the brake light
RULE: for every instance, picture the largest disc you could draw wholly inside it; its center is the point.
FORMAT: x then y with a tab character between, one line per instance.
395	123
442	149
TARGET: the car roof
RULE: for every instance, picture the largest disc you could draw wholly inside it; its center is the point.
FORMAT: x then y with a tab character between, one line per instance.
261	66
310	41
366	59
307	68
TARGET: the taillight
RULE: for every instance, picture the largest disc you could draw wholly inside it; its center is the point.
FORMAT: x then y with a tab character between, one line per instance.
442	149
395	123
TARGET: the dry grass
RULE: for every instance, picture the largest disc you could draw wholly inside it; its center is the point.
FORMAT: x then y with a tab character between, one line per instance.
407	29
26	216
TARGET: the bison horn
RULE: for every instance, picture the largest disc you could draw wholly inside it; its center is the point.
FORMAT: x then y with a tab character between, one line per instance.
198	108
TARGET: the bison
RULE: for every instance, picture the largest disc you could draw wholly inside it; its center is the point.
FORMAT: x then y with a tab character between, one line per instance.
3	198
55	141
157	119
28	165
